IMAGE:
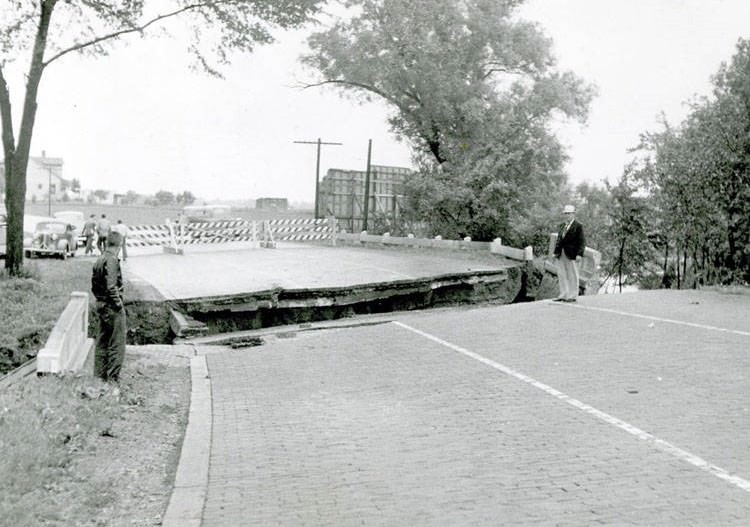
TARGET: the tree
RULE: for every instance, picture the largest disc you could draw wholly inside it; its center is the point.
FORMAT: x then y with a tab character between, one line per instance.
473	90
49	30
164	197
101	194
130	197
593	203
698	175
185	198
629	247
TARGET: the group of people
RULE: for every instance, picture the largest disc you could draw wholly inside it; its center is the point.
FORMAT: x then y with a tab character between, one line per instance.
97	232
107	287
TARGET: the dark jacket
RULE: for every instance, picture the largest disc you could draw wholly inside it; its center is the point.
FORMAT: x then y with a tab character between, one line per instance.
106	279
572	242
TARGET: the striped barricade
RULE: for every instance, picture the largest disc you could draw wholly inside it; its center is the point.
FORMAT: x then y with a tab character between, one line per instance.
222	231
301	229
147	235
226	231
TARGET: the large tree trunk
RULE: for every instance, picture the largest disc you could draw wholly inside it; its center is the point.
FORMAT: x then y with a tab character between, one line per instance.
17	156
15	193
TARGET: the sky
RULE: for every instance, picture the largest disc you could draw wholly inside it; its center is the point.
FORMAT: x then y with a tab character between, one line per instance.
140	120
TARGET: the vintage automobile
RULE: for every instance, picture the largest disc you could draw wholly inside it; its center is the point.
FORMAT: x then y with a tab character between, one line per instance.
56	238
75	218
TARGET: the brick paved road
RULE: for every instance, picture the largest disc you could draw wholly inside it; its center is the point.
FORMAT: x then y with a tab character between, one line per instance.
380	425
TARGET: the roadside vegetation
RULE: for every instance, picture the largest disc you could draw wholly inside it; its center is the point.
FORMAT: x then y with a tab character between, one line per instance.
30	305
77	451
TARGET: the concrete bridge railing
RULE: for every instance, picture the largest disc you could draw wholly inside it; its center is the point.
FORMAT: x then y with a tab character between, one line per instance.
496	246
175	236
68	345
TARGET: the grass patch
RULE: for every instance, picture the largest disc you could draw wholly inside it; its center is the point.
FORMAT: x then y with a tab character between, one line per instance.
729	289
30	305
77	451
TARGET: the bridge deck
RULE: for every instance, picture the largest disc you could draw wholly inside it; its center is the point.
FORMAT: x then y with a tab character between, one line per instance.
210	271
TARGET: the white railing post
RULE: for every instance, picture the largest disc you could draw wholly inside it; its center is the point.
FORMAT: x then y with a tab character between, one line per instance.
332	229
172	248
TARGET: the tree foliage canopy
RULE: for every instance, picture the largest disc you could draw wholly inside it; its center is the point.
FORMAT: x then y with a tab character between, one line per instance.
474	90
42	32
217	27
698	175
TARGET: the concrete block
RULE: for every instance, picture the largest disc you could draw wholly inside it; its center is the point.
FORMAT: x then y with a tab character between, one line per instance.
173	250
68	345
185	326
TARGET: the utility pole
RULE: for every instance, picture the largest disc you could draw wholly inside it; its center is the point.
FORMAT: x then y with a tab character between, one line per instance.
317	167
49	192
367	187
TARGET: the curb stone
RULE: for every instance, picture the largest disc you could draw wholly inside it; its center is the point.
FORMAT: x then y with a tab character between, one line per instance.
185	508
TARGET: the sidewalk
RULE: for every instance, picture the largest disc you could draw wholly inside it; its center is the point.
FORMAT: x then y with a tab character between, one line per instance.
619	410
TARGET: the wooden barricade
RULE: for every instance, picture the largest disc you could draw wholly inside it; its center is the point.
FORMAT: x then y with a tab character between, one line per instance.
173	236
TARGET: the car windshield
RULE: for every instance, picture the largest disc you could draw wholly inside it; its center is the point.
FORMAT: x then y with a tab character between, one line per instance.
54	227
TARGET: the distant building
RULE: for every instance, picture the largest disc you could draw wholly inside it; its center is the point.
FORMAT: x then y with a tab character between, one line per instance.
274	204
43	178
342	194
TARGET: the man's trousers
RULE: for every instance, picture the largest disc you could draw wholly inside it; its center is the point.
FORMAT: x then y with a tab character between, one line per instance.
110	343
567	276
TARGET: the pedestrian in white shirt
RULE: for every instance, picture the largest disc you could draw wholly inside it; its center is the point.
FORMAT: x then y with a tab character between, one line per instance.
122	229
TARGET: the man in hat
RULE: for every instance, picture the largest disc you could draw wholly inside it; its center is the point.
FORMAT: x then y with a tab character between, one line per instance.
569	252
106	285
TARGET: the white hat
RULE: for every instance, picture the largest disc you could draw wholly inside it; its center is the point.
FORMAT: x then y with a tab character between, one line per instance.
569	209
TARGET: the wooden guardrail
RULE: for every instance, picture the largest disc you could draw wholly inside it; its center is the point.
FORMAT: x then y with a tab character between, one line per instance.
68	345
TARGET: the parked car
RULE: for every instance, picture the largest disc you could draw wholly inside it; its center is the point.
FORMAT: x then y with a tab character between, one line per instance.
75	218
56	238
29	226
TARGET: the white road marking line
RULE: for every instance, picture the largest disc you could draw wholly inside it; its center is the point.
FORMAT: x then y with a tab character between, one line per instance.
660	319
662	445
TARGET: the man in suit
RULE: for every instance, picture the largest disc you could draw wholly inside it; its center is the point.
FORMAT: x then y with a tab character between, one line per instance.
569	252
